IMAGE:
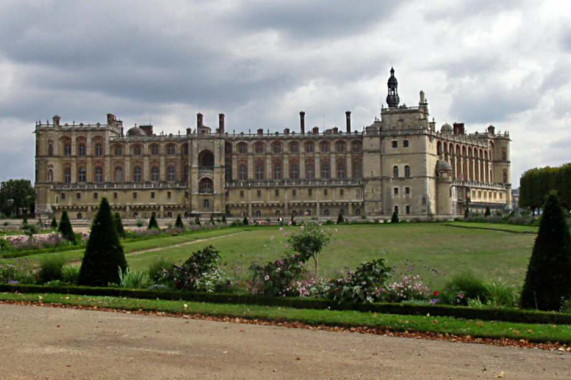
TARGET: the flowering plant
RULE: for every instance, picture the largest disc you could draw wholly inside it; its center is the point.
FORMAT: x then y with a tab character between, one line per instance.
407	288
276	278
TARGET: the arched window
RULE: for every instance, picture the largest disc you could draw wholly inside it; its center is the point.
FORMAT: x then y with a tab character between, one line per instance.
171	173
118	150
50	148
155	149
325	170
293	170
293	147
340	146
309	147
137	174
277	147
395	171
170	149
242	148
185	149
309	169
206	160
99	174
98	150
118	174
67	149
206	186
260	147
82	174
185	173
67	175
505	176
50	175
356	146
137	150
407	171
504	154
357	171
324	146
81	150
341	170
243	171
260	170
277	170
155	174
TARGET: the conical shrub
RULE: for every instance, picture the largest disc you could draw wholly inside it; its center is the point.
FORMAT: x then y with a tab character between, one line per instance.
395	217
153	225
53	224
119	225
65	228
548	280
104	254
178	223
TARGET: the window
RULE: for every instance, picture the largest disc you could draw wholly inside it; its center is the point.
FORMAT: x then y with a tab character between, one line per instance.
243	172
137	150
78	196
206	186
324	147
99	174
152	195
259	147
118	174
67	149
277	170
325	192
309	147
170	149
356	146
260	171
258	213
171	173
137	174
50	175
341	192
407	171
259	193
95	195
115	195
395	171
241	193
155	150
277	192
62	196
341	170
50	148
206	203
294	193
242	148
293	170
325	172
405	143
504	154
505	176
98	150
155	174
185	173
396	209
79	216
134	195
81	150
326	212
340	147
67	175
310	192
357	169
185	149
395	144
309	170
118	150
294	147
407	190
396	191
206	160
407	209
82	174
169	195
277	148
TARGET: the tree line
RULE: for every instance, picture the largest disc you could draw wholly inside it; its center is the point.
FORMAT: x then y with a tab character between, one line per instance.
537	183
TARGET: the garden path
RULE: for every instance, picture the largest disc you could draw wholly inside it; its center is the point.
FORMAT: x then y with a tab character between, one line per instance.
40	342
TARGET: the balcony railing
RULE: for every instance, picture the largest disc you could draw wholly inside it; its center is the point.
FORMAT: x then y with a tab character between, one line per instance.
118	186
291	182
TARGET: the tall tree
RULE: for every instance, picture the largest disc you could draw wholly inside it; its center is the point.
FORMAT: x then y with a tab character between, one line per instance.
17	197
104	255
65	228
548	279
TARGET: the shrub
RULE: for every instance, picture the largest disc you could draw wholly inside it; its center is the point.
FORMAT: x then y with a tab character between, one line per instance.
276	278
70	274
139	223
501	295
8	274
104	254
158	270
65	228
200	272
245	221
463	287
548	280
153	225
178	223
133	280
366	284
395	217
308	242
53	224
487	212
197	220
119	225
340	219
51	268
407	288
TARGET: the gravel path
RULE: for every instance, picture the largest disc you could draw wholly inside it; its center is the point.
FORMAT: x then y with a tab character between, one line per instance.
51	343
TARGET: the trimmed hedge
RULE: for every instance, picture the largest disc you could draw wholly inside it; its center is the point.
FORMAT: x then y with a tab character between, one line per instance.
485	314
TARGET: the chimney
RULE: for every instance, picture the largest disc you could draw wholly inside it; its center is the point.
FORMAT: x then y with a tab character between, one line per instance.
315	130
458	128
56	120
302	122
286	131
221	123
188	131
260	131
199	120
491	129
148	129
348	120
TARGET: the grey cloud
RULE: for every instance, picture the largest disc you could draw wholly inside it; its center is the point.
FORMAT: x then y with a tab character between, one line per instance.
461	10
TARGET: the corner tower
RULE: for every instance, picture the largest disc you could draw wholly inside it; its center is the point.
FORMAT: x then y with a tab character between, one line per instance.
393	95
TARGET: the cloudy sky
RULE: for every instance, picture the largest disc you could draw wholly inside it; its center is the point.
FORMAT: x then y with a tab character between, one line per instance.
500	62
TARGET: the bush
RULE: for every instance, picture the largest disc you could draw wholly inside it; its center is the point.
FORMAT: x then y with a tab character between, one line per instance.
340	219
395	217
8	274
65	228
501	294
51	268
133	280
104	254
158	270
70	274
245	221
366	284
178	223
464	287
407	288
276	278
119	225
53	224
153	225
200	272
548	280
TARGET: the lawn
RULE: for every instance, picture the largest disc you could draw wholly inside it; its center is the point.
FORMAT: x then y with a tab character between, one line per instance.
433	250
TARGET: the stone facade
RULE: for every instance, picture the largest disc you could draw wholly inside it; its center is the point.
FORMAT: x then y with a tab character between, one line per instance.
399	162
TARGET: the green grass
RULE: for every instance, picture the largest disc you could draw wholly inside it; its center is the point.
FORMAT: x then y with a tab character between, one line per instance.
433	250
444	325
497	226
